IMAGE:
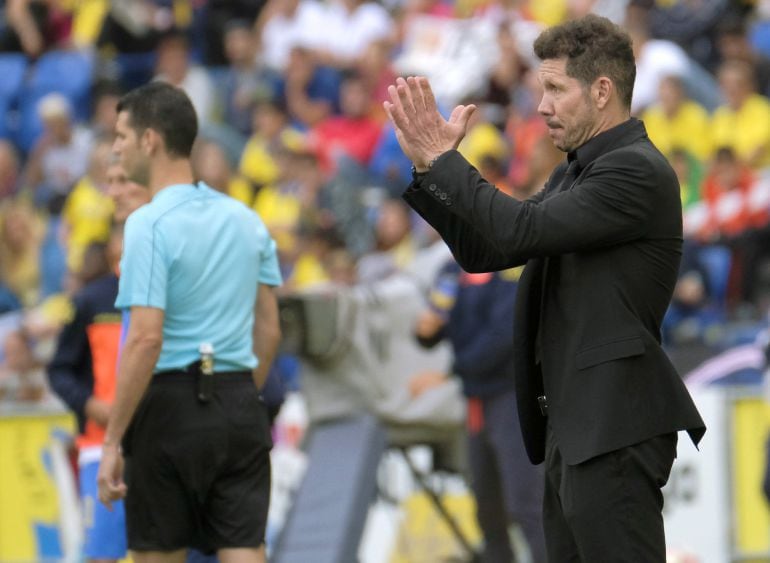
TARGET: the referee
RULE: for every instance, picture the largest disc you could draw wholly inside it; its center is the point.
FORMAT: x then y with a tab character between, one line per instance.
198	274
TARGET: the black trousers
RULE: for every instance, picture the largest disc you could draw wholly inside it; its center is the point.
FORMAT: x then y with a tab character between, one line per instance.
607	509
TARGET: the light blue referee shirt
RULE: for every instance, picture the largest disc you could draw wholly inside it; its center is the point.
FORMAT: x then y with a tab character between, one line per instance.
199	255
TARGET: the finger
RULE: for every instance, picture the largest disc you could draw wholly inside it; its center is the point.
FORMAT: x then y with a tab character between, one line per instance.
415	93
104	498
402	82
405	98
427	94
395	110
453	118
465	115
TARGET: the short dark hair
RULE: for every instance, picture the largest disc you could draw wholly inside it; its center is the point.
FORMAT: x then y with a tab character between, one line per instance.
165	109
594	47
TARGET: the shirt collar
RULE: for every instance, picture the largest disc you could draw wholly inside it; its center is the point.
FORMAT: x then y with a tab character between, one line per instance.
174	191
596	146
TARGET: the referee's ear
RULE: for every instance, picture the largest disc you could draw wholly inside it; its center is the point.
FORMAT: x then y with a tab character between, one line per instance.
151	142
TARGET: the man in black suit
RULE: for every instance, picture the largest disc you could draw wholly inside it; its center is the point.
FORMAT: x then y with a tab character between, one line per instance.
599	401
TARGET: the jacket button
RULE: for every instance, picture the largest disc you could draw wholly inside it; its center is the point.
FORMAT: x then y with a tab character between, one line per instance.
432	187
449	201
442	196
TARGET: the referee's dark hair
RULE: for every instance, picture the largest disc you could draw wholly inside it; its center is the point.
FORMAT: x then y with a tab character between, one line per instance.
165	109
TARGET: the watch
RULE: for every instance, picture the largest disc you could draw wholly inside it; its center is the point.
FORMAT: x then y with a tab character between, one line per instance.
419	175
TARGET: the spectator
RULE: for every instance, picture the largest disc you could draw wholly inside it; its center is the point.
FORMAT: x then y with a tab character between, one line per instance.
376	70
352	135
742	123
689	171
394	246
9	169
484	137
734	220
88	209
246	80
175	67
311	90
216	17
135	27
285	24
726	191
290	203
688	316
318	261
677	122
271	132
82	373
473	311
212	167
733	44
544	156
655	59
33	26
350	26
525	128
60	156
21	233
21	376
103	116
127	196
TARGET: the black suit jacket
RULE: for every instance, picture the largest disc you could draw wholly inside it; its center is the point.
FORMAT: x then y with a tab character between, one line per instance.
602	256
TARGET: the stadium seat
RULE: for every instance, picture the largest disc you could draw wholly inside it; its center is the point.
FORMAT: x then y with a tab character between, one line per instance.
66	72
13	68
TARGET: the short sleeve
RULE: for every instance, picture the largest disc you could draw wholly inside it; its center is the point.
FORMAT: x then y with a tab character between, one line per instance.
143	267
269	270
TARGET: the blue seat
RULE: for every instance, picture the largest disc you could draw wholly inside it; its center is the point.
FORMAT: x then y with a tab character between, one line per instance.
67	72
13	68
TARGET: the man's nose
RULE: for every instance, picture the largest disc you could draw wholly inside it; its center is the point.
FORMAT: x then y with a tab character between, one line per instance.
545	107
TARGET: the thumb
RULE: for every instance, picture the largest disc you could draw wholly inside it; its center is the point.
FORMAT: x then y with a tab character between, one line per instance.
461	114
465	115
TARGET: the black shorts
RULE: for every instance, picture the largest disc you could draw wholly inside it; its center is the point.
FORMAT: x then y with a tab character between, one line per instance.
198	474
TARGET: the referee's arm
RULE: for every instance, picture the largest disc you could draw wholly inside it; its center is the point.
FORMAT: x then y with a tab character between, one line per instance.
137	361
267	331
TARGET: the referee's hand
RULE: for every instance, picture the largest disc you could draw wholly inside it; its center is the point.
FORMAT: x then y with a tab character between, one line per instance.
110	477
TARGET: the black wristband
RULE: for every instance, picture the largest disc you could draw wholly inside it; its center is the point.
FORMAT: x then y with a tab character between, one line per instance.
420	175
417	176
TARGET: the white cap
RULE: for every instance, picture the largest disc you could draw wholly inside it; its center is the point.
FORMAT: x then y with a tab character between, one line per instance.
54	105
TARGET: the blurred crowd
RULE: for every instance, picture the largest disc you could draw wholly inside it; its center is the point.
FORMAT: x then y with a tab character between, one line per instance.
289	98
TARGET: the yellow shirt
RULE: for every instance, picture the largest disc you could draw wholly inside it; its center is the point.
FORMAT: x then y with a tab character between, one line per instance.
281	213
87	213
308	271
744	130
240	189
257	162
20	270
688	129
483	140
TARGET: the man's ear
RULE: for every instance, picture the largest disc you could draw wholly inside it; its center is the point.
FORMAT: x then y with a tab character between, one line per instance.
149	141
601	91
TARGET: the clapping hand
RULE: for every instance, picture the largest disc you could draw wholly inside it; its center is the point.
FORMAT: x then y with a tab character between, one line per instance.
420	129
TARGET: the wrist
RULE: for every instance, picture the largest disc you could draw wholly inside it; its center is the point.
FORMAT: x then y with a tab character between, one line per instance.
112	445
425	168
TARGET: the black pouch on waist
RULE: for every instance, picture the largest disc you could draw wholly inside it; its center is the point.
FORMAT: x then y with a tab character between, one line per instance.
204	381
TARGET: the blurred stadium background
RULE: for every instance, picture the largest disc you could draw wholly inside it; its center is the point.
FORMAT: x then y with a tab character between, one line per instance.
288	95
